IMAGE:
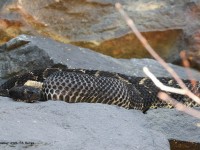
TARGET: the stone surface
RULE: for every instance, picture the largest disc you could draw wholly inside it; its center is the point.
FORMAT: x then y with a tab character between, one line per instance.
27	53
174	124
58	125
96	24
167	43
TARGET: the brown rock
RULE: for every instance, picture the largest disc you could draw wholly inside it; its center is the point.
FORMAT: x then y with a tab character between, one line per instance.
194	53
166	43
97	25
193	34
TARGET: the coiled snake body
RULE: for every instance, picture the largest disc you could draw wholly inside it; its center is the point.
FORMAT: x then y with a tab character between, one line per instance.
92	86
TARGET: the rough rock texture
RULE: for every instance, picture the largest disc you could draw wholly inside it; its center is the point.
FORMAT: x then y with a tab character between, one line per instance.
27	53
54	125
59	125
174	124
95	24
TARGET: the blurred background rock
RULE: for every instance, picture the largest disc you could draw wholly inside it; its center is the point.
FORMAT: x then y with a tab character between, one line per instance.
170	26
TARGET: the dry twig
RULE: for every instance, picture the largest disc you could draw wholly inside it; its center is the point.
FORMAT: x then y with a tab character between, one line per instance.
160	85
144	42
163	95
179	106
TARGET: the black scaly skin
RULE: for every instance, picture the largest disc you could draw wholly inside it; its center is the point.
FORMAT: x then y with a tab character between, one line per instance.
78	87
21	79
150	91
93	86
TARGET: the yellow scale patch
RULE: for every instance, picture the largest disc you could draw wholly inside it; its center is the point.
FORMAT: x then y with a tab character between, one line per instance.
35	84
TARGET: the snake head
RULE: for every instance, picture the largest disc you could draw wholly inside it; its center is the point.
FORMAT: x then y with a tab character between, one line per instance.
25	93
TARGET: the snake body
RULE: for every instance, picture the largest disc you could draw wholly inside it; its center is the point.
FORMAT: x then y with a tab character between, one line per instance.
92	86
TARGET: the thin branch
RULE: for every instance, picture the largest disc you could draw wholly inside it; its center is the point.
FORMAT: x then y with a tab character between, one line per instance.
165	97
179	106
160	85
144	42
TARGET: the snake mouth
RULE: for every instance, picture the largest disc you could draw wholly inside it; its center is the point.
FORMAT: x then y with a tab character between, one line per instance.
25	93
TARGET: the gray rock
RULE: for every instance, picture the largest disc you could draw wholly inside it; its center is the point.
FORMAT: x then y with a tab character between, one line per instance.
42	122
174	124
28	52
59	125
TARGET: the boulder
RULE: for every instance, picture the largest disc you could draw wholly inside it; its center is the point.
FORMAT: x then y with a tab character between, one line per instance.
97	25
174	124
25	53
59	125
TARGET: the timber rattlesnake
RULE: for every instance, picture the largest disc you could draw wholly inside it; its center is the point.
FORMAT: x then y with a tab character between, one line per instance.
92	86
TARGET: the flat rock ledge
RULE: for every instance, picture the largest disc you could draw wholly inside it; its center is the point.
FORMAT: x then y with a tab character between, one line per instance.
58	125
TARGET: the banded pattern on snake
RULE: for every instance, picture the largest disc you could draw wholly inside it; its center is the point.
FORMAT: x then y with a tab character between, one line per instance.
92	86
